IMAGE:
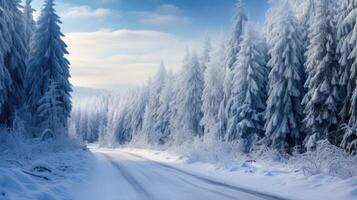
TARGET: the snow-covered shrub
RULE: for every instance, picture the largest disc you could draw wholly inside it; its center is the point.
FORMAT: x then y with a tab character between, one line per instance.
225	154
349	141
269	154
326	159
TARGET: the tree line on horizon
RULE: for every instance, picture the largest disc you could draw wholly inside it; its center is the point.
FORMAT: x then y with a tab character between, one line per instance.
287	88
35	98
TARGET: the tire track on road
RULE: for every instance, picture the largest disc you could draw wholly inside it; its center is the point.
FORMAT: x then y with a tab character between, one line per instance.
130	179
210	181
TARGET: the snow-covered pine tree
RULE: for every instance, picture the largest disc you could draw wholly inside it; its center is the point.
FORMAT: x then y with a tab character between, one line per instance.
5	78
307	16
138	109
213	93
49	111
283	114
347	49
189	100
29	24
48	62
174	121
206	54
271	20
237	31
306	12
322	98
151	112
233	48
345	32
249	92
13	58
5	84
165	111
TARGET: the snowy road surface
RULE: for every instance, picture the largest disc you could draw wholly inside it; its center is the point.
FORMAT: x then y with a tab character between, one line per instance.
123	176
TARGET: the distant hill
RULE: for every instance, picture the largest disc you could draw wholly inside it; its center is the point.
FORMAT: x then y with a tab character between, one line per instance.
84	92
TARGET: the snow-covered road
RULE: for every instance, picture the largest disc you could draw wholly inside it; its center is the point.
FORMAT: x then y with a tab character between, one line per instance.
120	175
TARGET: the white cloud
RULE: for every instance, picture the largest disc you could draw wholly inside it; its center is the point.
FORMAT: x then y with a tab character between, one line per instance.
86	12
162	15
123	57
164	20
168	8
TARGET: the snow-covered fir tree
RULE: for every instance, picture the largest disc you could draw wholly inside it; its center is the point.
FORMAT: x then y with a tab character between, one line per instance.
237	31
213	93
48	63
29	24
189	100
126	119
139	103
206	53
271	20
152	109
322	98
283	113
163	126
233	48
174	122
5	78
5	85
49	111
13	60
249	93
306	12
347	52
347	49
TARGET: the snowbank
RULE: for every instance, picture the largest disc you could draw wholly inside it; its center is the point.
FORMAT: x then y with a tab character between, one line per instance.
269	173
38	170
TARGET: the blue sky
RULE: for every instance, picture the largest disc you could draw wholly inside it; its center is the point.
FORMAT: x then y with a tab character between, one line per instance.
120	42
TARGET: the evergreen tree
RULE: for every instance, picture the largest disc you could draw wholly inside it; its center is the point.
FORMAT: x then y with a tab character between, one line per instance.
29	24
138	109
165	111
174	121
237	31
13	59
206	54
346	27
233	49
321	100
307	18
308	12
347	49
50	110
5	78
250	77
151	115
189	100
283	113
48	63
213	94
271	20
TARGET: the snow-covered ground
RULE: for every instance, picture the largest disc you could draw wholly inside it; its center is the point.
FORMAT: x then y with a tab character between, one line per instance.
120	174
36	170
150	174
142	174
257	176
